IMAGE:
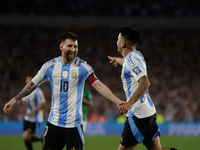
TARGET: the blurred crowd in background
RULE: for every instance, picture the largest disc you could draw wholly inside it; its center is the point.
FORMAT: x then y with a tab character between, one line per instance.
136	8
172	57
172	54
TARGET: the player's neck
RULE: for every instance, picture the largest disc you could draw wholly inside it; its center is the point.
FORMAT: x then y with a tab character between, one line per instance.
65	61
125	52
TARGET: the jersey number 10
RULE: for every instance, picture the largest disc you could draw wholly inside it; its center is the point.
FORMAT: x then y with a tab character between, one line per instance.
63	86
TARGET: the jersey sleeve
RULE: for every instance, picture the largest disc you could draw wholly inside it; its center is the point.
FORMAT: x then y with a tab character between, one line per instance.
40	77
89	73
138	67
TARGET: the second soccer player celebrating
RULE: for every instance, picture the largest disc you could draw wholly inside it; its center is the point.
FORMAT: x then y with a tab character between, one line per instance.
140	125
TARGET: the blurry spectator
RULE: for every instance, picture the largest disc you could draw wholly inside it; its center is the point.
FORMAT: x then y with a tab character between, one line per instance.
145	8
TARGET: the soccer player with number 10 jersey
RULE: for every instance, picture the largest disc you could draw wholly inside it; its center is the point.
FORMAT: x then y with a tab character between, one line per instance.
67	75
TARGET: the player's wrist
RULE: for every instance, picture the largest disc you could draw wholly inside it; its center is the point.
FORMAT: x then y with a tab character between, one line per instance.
15	99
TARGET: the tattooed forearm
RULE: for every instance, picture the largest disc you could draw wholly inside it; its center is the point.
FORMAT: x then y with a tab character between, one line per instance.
144	84
26	90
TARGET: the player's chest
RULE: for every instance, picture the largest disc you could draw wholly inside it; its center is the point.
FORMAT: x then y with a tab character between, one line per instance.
65	73
125	73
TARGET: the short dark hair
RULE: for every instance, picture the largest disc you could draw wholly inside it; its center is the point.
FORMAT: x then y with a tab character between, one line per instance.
131	34
69	35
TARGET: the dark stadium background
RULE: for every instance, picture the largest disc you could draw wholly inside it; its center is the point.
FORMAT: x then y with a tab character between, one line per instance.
30	33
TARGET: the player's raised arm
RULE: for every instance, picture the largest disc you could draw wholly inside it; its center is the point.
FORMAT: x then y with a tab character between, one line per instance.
116	60
30	86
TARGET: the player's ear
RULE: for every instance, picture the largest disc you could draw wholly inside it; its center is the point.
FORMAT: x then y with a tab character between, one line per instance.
61	45
123	44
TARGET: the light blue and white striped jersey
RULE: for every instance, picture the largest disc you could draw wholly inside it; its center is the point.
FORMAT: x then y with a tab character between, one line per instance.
134	67
67	84
33	101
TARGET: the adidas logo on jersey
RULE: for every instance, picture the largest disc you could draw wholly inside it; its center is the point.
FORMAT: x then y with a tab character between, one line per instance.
56	76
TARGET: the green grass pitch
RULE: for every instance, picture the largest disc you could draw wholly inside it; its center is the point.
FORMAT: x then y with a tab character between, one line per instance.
106	143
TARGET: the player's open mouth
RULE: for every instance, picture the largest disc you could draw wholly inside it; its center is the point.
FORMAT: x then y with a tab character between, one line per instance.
71	54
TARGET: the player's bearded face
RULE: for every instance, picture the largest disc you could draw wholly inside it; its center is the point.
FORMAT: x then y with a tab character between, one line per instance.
70	55
70	49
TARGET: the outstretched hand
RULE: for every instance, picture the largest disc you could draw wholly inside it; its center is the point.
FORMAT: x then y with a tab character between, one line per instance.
124	108
120	103
113	60
8	106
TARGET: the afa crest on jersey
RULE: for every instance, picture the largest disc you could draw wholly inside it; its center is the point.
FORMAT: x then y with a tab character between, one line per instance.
65	74
73	74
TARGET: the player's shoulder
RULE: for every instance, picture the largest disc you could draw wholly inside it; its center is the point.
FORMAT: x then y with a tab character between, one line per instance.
80	62
132	58
136	54
52	62
129	60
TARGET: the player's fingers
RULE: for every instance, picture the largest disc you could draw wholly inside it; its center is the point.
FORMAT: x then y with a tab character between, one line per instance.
5	109
120	110
115	64
10	108
123	111
109	57
126	111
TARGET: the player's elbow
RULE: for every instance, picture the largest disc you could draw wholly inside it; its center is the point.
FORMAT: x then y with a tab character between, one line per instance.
144	81
148	84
